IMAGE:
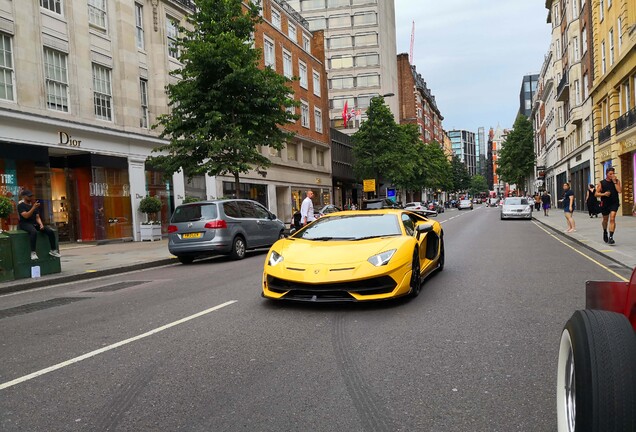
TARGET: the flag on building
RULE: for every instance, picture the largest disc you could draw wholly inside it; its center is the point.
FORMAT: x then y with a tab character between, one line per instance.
345	113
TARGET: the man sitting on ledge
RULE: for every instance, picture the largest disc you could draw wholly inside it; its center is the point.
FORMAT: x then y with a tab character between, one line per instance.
31	222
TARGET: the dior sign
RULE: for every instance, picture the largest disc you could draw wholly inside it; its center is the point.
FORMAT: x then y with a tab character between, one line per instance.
67	140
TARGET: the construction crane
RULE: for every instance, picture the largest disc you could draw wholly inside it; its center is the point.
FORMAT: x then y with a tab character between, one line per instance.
412	43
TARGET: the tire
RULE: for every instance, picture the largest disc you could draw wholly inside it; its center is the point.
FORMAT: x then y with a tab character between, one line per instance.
596	378
442	256
416	277
185	259
238	248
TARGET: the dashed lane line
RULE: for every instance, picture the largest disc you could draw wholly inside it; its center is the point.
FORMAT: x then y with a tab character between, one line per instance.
581	253
111	347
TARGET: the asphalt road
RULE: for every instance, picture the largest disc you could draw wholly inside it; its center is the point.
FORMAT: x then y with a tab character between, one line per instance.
476	351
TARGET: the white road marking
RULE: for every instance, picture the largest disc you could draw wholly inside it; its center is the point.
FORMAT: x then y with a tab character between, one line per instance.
111	347
581	253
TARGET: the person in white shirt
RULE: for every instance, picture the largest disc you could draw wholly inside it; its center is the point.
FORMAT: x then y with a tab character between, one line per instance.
307	209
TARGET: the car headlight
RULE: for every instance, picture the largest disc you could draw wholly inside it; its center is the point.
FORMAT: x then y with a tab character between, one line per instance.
382	259
275	258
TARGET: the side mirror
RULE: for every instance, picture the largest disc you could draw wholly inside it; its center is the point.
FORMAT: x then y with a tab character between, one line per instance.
424	228
272	216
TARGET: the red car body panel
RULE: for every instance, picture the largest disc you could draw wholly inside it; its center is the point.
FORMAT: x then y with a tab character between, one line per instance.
619	297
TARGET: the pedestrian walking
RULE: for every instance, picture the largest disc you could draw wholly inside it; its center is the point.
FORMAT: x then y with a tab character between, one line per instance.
546	200
30	221
537	201
307	209
608	190
591	201
568	207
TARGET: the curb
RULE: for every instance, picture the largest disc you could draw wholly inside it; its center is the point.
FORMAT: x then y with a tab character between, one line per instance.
15	286
580	243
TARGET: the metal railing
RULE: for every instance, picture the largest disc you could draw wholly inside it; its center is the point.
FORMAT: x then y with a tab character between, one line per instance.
186	3
290	10
626	121
604	134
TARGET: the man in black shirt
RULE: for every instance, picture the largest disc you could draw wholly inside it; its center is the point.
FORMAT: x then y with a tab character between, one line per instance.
608	190
30	221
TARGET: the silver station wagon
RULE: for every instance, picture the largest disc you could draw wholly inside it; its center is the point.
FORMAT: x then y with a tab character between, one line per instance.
221	227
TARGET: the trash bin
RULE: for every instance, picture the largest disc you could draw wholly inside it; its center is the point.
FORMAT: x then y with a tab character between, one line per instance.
6	259
22	263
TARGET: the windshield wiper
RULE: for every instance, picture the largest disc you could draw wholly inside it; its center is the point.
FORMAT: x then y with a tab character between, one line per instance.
374	236
329	238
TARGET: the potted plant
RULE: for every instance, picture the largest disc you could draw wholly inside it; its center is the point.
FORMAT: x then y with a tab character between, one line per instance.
6	208
151	228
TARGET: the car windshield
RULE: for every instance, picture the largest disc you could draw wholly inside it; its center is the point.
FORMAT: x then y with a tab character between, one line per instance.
194	212
516	201
352	227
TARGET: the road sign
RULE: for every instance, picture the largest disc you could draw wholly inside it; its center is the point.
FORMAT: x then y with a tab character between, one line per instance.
368	185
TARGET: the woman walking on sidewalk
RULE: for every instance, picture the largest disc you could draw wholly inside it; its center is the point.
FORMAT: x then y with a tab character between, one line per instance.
568	207
591	201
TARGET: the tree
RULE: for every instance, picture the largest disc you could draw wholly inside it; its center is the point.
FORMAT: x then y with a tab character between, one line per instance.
382	148
478	184
516	158
435	167
224	106
459	175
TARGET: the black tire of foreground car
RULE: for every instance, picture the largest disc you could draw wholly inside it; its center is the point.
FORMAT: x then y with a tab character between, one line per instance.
596	377
416	276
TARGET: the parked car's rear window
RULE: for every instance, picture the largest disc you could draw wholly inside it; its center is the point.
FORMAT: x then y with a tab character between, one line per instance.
194	212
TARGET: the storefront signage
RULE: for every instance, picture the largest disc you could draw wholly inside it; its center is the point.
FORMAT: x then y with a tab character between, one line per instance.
98	189
368	185
7	178
629	145
67	140
605	154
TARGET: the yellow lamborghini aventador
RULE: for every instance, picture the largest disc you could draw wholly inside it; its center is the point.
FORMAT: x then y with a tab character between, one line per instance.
355	256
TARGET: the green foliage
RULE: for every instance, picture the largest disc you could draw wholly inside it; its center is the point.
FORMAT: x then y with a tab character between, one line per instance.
224	106
478	184
516	158
190	199
435	167
6	207
150	205
459	175
384	149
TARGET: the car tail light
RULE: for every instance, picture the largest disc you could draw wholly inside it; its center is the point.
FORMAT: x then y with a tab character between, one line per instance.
216	224
172	229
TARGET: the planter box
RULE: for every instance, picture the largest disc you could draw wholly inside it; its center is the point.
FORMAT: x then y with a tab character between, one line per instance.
150	232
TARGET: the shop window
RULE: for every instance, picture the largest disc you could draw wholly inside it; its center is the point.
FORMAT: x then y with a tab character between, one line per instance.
256	192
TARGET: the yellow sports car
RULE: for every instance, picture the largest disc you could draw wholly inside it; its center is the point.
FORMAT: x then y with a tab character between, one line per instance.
355	256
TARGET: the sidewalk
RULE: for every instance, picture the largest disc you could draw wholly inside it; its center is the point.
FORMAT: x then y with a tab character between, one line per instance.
589	233
86	261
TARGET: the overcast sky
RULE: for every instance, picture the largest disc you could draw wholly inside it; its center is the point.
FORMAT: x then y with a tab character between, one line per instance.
473	54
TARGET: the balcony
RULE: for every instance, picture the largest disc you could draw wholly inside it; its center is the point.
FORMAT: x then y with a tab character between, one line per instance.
604	134
626	121
188	4
563	89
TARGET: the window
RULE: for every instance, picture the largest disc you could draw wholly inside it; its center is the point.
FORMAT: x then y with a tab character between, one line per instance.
308	5
276	22
292	152
317	23
339	21
320	158
342	82
268	52
584	39
6	68
56	80
339	101
316	83
368	80
52	5
576	51
365	100
575	9
603	66
143	91
102	93
306	43
601	10
368	60
366	39
341	62
619	29
586	83
139	25
337	3
340	42
287	64
577	92
611	46
318	120
304	114
291	31
291	109
365	18
97	13
307	155
302	70
172	32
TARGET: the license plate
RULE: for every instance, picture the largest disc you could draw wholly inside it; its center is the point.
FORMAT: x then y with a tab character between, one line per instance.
192	235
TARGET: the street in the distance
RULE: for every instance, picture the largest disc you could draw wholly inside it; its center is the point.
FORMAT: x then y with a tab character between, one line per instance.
476	351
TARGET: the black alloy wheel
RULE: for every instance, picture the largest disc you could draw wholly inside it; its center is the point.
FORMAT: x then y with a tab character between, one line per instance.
416	277
238	248
442	256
